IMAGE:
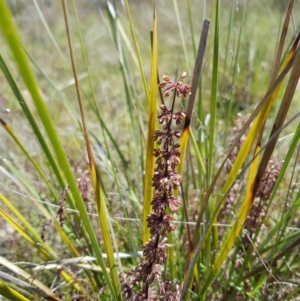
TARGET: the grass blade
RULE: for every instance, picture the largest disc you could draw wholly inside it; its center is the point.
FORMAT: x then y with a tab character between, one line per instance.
137	50
149	170
214	89
192	97
99	199
10	293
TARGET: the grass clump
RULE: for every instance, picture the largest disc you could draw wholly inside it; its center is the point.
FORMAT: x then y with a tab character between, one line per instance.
108	192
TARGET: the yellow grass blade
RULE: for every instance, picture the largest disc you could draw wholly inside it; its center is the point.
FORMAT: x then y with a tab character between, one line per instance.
18	228
241	218
10	293
149	171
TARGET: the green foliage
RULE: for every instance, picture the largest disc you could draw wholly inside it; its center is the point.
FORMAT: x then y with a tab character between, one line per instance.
78	106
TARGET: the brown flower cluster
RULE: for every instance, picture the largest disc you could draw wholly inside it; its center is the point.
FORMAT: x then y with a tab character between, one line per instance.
179	87
142	283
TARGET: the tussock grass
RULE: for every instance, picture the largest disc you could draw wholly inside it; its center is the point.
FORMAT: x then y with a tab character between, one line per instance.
79	100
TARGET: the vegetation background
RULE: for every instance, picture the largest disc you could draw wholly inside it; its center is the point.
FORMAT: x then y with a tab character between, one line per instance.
36	202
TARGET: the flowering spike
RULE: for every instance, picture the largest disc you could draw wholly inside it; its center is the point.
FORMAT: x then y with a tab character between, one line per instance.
165	180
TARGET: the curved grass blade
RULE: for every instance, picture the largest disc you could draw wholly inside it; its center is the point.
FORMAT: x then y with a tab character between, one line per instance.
18	228
11	36
28	232
44	144
149	170
104	221
74	113
10	293
56	225
43	248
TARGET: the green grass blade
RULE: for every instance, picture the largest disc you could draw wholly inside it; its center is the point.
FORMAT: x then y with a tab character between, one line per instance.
104	218
74	113
27	225
214	89
137	50
180	27
191	28
49	33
